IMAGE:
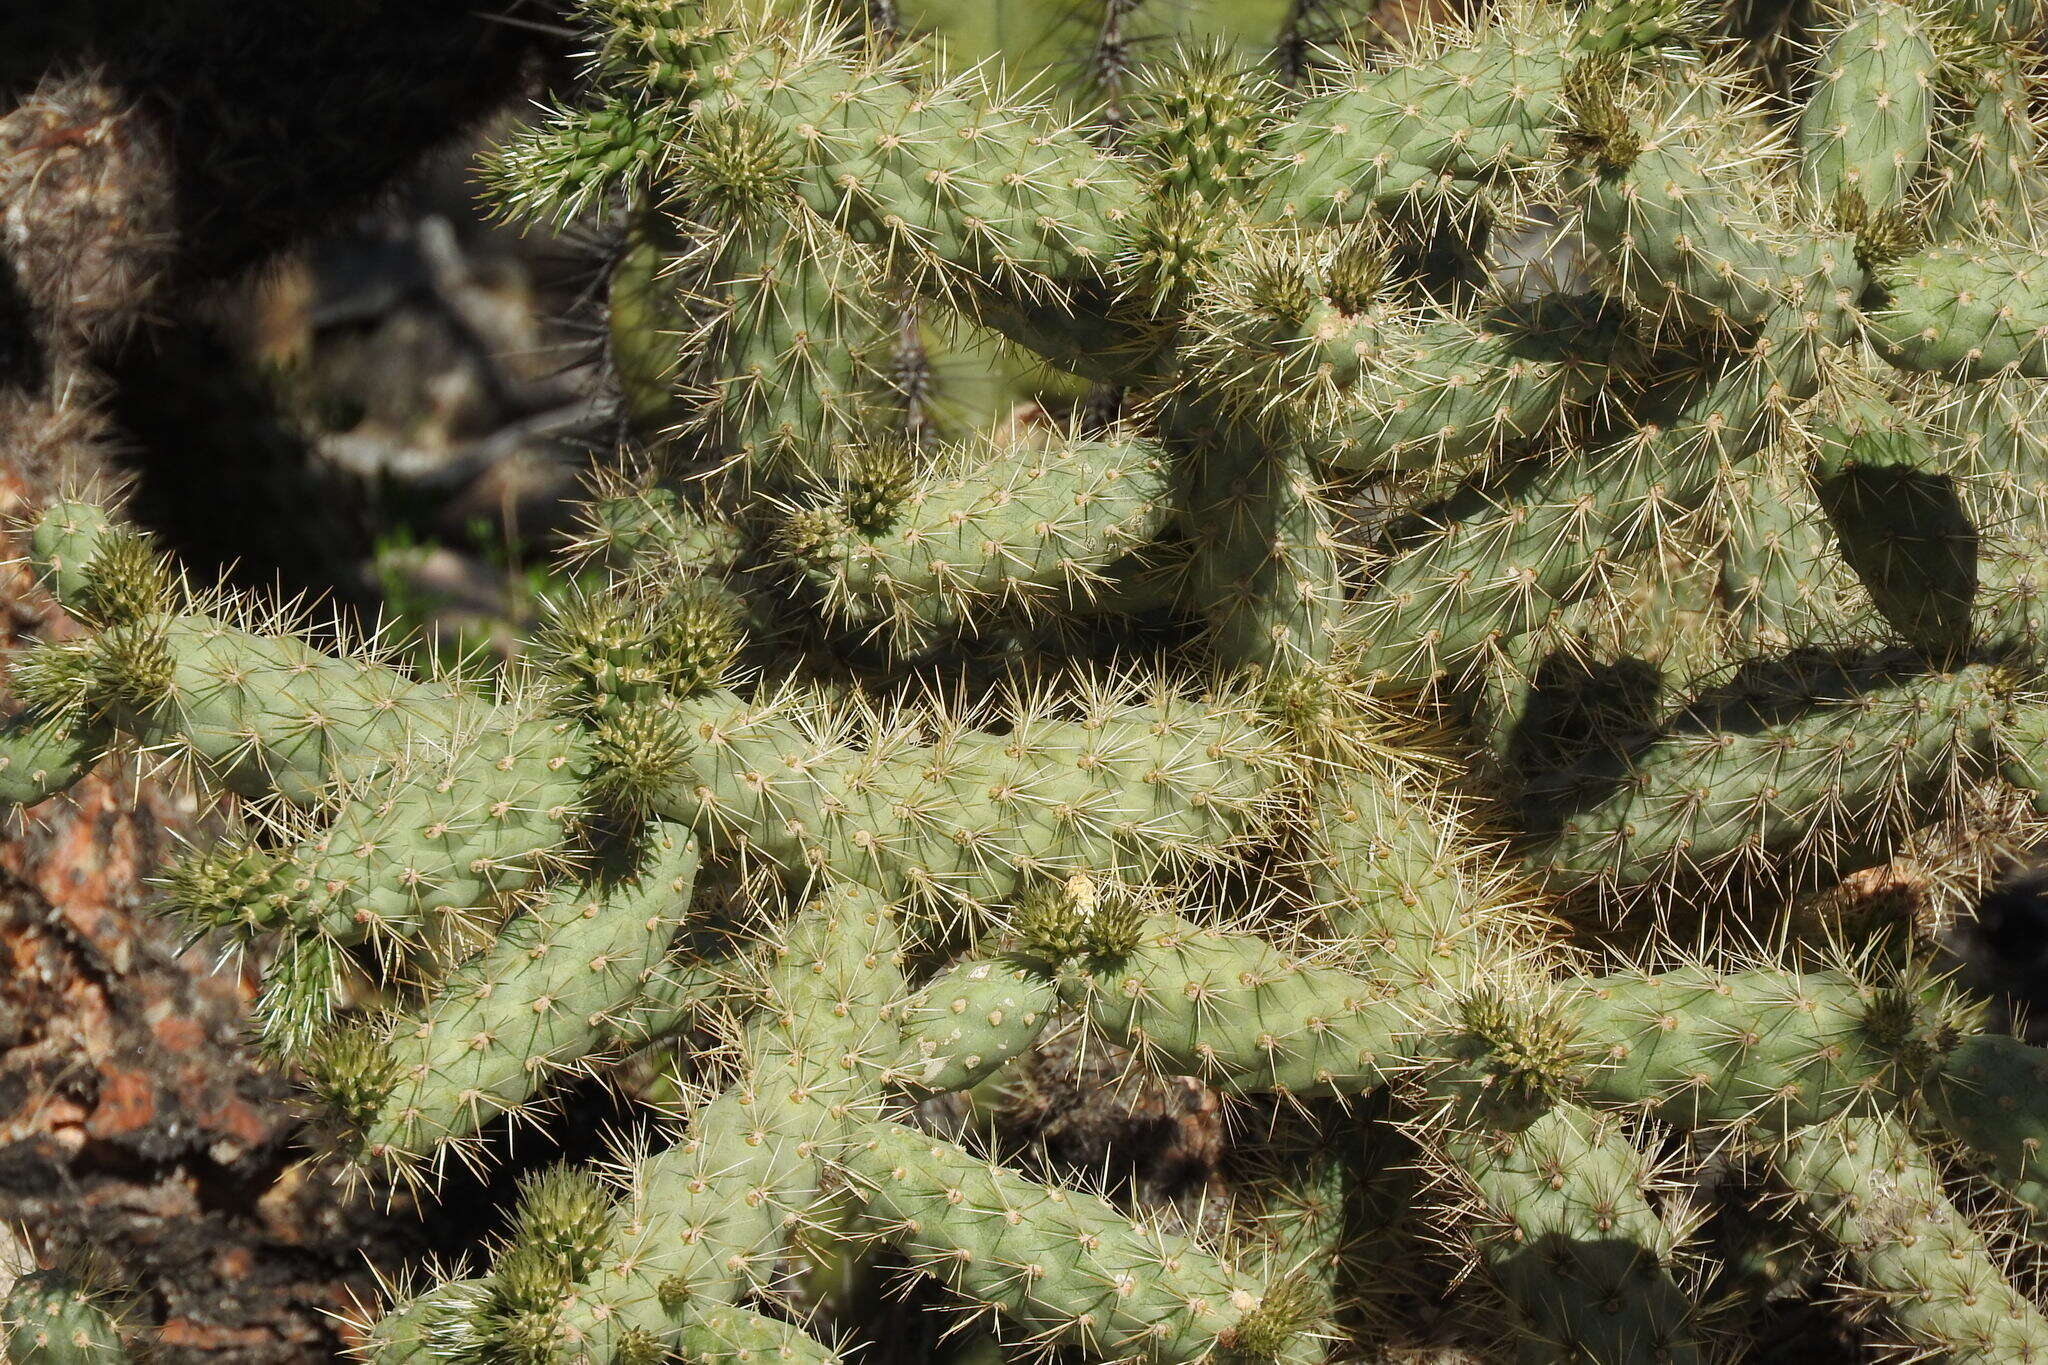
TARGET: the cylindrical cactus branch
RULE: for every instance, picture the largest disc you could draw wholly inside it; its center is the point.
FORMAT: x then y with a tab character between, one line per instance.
978	535
1874	1193
1066	1266
1868	123
1127	784
557	985
248	703
1776	776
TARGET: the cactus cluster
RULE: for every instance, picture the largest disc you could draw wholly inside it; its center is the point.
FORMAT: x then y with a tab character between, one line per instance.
1418	694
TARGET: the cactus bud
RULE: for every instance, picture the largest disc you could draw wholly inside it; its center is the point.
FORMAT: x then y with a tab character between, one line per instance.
565	1213
1357	270
125	582
636	755
1284	1313
640	1347
602	645
1598	128
55	677
1280	293
1077	919
877	485
349	1076
739	166
697	634
1883	236
131	669
225	886
1530	1050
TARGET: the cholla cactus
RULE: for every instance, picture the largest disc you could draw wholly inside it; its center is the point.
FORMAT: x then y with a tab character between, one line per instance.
67	1316
1700	575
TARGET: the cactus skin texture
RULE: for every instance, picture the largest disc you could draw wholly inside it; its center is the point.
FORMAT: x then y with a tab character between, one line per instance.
1013	533
548	991
1756	1049
1967	312
1526	473
1584	1257
41	756
1874	1193
969	1020
1976	1096
730	1335
1111	1286
50	1319
1715	790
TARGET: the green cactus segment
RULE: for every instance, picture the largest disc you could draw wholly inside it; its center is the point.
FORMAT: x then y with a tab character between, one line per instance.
709	1219
455	825
1008	531
1999	20
258	714
1990	165
1443	389
1395	877
792	361
1500	557
826	1024
1305	1187
1581	1256
1775	564
1990	446
1868	123
818	1050
624	530
1783	776
1968	312
1057	1266
975	816
41	756
725	1334
1986	1095
1761	1049
1440	129
2023	751
1264	568
257	710
1292	1026
816	1054
969	1020
950	183
436	1325
63	542
1690	244
1899	524
1873	1192
647	324
48	1319
549	992
697	1221
1620	26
